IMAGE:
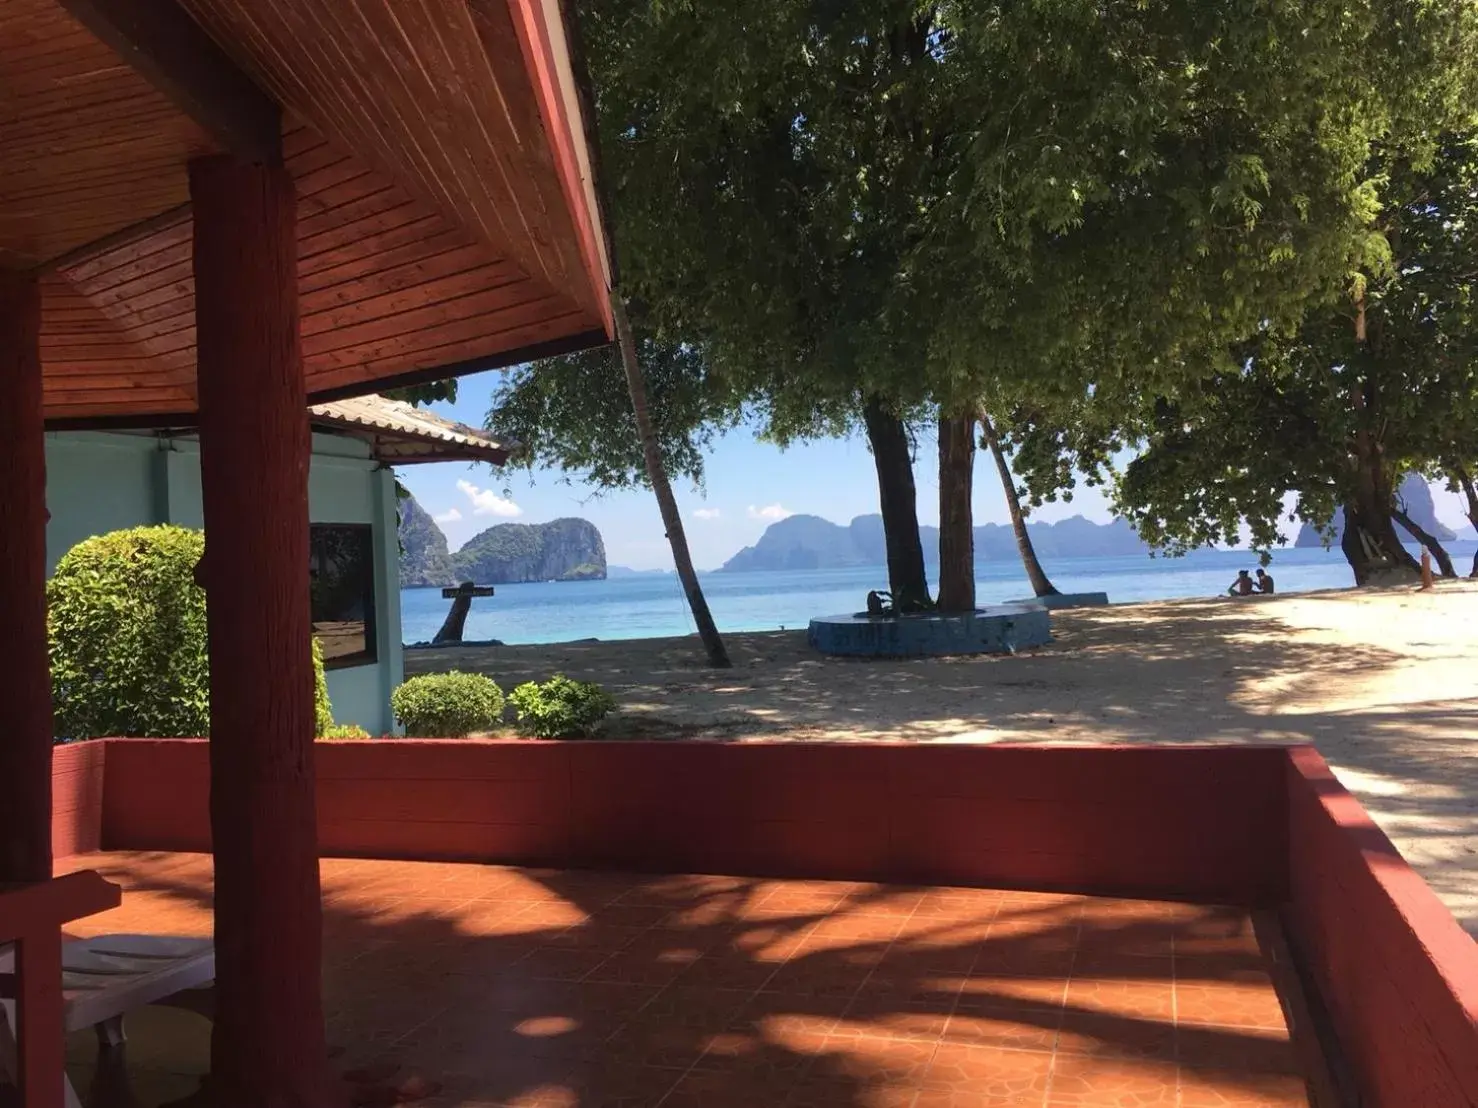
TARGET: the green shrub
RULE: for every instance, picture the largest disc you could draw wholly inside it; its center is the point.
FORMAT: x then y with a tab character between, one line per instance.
561	708
345	731
323	711
126	624
448	705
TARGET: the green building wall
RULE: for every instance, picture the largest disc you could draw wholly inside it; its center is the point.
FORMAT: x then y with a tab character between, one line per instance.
102	481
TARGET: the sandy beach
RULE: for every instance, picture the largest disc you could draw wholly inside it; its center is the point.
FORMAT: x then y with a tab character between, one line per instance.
1384	682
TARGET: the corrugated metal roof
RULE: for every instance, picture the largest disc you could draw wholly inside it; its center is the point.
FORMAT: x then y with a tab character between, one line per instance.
403	433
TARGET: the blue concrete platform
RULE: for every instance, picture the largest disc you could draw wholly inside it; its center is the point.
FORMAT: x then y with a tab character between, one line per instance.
997	629
1065	600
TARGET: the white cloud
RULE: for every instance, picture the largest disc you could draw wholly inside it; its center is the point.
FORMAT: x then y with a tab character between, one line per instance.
770	513
451	515
705	513
485	502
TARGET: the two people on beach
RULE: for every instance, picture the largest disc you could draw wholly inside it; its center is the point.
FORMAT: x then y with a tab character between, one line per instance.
1244	585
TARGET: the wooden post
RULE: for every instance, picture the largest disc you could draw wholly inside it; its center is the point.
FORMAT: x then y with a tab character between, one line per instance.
268	1045
25	678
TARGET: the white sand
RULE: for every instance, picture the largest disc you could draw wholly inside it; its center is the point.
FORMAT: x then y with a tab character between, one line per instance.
1384	682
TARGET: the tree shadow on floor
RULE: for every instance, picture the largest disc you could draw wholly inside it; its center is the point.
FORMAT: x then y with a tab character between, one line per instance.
542	988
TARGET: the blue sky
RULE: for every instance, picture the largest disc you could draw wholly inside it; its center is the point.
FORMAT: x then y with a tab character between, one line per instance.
749	485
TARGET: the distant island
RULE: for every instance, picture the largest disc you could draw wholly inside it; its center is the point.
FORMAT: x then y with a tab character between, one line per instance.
627	571
1415	497
506	553
810	542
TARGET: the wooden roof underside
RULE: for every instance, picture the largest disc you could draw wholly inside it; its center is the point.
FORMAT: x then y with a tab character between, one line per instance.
445	216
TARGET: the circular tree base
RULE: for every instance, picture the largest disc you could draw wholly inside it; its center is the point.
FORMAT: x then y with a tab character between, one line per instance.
1065	600
997	629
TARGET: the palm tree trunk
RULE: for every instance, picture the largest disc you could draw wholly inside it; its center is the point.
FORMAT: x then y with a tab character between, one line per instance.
956	521
672	520
1041	586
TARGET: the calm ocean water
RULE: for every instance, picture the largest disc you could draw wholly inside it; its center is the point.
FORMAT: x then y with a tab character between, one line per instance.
652	606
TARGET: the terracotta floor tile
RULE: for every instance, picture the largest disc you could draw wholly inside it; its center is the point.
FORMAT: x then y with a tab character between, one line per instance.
780	1038
981	991
1228	1003
882	900
999	958
1034	1029
898	1062
875	1017
1214	1088
973	905
1091	1081
1143	999
1262	1050
634	966
803	977
1104	1035
735	1086
555	963
989	1071
542	989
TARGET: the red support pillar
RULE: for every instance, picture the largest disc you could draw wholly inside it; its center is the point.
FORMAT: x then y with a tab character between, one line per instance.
267	1049
25	677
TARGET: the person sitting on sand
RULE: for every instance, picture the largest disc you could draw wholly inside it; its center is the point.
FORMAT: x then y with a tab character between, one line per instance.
1242	586
1264	582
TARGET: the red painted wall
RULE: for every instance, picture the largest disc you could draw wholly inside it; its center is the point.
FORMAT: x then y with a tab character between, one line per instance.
1249	825
1199	822
77	797
1397	974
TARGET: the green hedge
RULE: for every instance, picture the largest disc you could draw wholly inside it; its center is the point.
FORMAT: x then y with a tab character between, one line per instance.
561	708
448	705
126	623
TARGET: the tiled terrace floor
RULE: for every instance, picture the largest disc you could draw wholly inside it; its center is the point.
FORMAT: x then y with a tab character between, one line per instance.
540	989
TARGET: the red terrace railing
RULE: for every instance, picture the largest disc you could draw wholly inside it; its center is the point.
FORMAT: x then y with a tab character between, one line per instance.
1395	976
31	917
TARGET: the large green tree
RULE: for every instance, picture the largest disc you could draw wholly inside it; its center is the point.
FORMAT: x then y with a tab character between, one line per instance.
1333	411
859	210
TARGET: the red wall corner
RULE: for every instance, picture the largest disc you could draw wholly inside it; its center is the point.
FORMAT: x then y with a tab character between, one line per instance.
77	780
1396	974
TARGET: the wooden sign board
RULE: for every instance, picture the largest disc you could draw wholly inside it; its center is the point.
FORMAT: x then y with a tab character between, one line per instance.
460	590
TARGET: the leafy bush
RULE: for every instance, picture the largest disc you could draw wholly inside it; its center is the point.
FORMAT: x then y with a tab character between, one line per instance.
323	711
448	705
126	624
561	708
345	731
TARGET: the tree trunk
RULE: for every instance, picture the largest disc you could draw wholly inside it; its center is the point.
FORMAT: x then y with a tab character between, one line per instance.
672	520
1370	543
898	502
956	519
1470	493
267	1043
1041	586
1444	563
25	679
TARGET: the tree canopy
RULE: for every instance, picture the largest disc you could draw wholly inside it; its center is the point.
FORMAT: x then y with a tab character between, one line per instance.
1080	206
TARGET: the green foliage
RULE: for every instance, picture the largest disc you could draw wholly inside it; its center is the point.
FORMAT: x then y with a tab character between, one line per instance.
323	711
1065	204
1315	411
126	623
449	705
345	731
573	414
561	708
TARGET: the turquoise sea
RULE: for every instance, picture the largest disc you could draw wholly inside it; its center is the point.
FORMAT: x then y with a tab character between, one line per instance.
652	606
